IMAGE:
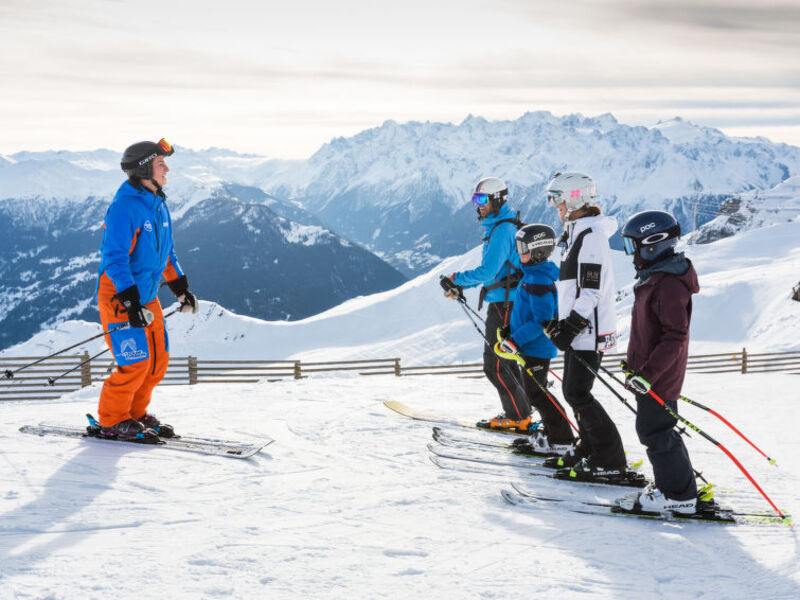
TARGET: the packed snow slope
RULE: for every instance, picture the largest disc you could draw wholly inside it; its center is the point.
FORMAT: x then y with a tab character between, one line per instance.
346	504
744	301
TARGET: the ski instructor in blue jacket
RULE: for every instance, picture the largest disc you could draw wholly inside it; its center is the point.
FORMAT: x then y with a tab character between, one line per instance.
136	252
499	273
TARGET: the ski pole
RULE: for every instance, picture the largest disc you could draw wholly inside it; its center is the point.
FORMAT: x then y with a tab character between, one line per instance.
771	461
52	380
10	374
675	415
527	370
681	431
729	424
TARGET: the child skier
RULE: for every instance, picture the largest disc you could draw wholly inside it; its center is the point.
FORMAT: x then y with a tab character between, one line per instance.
536	303
658	350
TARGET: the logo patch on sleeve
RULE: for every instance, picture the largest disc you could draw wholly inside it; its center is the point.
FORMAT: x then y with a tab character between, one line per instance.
590	276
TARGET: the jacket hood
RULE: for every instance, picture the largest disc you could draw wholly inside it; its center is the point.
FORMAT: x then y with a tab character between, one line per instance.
678	265
547	268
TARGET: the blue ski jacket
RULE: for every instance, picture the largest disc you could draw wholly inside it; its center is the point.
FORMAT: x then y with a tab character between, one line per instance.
537	301
137	245
497	249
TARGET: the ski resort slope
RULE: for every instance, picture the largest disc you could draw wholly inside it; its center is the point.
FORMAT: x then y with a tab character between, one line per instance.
346	504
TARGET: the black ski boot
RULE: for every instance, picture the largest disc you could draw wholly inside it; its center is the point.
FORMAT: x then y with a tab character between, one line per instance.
150	421
129	430
587	472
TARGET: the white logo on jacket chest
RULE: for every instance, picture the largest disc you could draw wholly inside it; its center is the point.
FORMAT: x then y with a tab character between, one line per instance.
148	226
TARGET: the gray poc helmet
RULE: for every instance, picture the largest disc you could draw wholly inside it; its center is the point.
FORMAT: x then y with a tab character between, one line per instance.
571	188
137	160
650	235
537	240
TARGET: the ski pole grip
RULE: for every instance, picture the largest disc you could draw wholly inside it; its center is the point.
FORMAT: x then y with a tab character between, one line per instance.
9	374
51	381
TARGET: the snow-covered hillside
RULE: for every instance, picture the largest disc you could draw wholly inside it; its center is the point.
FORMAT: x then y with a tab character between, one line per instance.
744	301
752	210
345	503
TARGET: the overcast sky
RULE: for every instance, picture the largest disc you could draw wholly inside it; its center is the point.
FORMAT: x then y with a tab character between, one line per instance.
282	78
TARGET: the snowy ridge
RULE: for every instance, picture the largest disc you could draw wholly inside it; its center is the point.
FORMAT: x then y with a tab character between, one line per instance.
744	301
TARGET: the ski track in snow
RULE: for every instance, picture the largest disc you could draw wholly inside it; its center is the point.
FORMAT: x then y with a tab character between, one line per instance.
346	504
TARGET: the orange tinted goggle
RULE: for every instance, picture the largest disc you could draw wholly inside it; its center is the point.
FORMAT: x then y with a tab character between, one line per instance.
165	146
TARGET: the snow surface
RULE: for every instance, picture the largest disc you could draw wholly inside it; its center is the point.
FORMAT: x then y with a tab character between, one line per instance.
346	504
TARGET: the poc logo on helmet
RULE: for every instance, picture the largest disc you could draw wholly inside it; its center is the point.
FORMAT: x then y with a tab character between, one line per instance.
644	228
539	235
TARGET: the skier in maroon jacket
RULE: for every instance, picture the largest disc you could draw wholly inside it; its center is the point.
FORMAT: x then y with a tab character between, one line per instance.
658	350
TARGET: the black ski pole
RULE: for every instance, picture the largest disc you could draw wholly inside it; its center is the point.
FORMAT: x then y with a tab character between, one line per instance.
10	374
52	380
681	430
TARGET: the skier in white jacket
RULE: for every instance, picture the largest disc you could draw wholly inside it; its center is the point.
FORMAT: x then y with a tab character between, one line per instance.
586	324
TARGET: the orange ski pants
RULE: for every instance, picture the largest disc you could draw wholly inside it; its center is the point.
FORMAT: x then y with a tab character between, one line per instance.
126	392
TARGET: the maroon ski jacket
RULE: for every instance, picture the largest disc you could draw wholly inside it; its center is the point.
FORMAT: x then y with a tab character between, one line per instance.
659	342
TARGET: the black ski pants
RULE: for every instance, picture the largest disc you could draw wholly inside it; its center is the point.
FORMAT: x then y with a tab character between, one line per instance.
599	438
550	409
503	374
672	469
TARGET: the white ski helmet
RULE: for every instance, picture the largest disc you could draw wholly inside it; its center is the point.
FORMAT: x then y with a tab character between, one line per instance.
571	188
490	189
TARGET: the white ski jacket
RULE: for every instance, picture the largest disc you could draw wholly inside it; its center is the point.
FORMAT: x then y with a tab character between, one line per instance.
586	281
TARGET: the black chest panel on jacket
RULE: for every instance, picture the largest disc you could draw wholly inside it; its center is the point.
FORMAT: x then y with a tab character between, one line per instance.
569	265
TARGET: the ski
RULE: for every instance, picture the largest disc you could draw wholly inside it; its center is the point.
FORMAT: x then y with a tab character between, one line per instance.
445	458
407	411
200	445
523	497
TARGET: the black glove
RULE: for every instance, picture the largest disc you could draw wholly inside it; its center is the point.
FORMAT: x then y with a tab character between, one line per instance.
504	332
562	332
451	290
138	315
180	287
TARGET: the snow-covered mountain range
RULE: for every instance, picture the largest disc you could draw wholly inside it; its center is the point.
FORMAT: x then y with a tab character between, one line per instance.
744	301
286	239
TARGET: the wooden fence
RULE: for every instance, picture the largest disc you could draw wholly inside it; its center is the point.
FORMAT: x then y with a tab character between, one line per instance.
53	377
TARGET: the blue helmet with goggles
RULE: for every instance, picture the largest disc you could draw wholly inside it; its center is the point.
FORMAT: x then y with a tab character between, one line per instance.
490	190
650	235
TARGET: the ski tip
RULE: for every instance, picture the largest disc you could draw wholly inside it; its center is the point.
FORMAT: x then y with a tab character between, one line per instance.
509	497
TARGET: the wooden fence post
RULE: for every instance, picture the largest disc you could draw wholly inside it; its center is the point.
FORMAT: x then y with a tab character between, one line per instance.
397	367
297	370
744	360
192	370
86	370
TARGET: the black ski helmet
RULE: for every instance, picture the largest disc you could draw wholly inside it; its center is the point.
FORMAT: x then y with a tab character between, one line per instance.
137	160
651	234
536	239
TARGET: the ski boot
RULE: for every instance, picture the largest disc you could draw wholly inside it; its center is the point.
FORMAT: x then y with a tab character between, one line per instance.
162	429
587	472
651	500
539	445
569	459
129	430
502	423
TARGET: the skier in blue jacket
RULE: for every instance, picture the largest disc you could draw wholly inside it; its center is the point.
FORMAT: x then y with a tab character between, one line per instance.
498	273
537	303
